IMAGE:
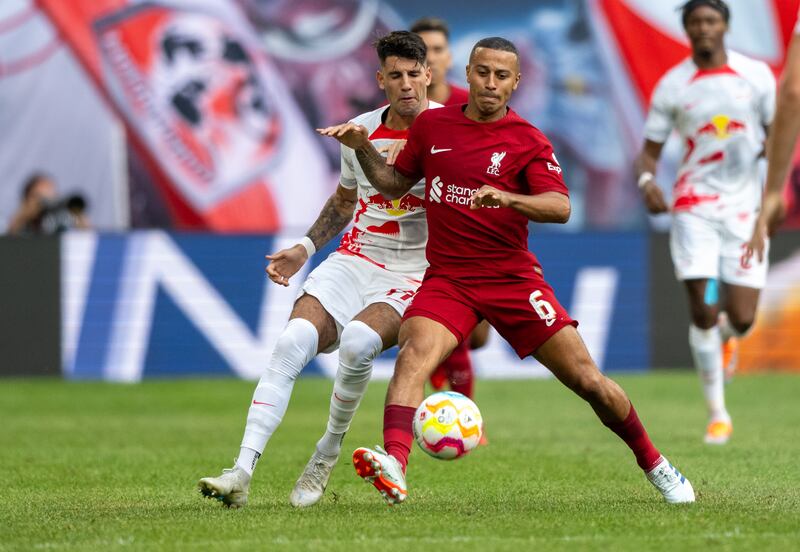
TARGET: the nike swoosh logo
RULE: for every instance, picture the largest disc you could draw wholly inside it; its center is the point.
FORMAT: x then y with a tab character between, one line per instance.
434	151
263	403
338	398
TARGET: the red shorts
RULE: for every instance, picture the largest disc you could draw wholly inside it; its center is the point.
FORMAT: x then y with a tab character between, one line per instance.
524	311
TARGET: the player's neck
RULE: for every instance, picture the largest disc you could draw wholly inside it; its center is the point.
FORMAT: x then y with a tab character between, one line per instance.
474	114
439	92
710	60
395	121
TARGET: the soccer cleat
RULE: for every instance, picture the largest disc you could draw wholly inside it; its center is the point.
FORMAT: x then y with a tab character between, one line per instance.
730	357
671	483
312	482
383	471
718	432
230	488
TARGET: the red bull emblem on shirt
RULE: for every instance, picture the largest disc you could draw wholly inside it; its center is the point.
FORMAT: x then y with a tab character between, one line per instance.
722	127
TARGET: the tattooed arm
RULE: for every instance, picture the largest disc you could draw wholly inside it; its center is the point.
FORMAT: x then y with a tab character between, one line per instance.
334	217
390	183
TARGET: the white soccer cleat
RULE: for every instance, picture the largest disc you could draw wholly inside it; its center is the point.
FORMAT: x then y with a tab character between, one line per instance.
230	488
383	471
671	483
312	482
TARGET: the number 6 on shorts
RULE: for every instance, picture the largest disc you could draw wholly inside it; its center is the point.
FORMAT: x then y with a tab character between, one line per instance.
542	307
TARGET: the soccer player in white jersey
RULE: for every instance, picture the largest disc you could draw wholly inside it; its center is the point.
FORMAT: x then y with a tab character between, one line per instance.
721	104
780	148
354	299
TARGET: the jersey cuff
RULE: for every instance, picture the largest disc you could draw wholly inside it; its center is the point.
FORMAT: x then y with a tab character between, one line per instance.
349	183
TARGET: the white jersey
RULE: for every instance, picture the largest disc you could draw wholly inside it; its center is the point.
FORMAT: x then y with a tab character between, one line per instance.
391	233
720	115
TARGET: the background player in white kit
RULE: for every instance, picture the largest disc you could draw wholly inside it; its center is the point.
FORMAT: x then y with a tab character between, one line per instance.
356	297
721	104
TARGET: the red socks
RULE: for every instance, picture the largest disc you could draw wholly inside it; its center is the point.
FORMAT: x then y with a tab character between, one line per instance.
635	436
458	367
397	433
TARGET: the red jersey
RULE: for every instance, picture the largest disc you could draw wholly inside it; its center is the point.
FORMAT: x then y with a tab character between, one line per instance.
457	156
458	96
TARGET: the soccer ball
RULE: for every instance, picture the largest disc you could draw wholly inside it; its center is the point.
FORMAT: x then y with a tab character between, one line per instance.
447	425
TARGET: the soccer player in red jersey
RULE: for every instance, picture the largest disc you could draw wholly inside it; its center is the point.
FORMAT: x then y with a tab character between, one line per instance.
436	35
457	368
488	172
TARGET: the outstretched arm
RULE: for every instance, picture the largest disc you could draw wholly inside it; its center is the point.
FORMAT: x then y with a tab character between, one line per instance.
544	207
336	214
390	183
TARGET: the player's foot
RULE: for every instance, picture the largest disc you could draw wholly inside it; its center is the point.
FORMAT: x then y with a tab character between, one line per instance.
230	488
671	483
718	432
312	482
383	471
730	357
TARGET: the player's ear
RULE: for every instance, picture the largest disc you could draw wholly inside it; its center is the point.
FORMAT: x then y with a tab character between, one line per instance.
379	78
428	75
516	81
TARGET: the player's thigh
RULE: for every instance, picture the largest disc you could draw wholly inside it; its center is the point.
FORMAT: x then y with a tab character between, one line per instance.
384	319
695	246
480	335
309	308
566	356
703	295
424	344
740	305
733	272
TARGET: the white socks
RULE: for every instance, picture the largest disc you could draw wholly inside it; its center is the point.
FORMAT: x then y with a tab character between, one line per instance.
295	348
358	347
706	348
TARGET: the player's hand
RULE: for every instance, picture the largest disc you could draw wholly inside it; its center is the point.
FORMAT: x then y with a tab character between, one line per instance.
350	134
392	151
756	244
654	198
488	196
285	263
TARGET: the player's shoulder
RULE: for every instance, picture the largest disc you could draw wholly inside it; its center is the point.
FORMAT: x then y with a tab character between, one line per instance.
748	68
370	119
677	76
525	132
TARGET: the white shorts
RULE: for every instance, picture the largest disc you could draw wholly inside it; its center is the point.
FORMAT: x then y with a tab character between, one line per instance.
703	248
346	285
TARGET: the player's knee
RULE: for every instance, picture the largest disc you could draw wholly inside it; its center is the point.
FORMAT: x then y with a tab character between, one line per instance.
413	360
295	348
741	323
590	385
358	347
703	317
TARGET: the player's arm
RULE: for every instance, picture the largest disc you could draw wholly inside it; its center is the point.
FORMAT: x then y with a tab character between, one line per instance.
646	164
336	214
387	180
544	207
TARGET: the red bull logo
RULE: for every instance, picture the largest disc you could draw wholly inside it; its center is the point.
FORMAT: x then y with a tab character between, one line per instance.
722	127
397	207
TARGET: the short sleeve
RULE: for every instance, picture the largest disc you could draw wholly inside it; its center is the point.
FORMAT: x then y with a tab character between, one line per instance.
410	161
544	174
766	100
660	121
348	174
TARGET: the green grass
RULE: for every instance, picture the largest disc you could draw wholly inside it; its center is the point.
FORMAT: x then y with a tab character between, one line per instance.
91	466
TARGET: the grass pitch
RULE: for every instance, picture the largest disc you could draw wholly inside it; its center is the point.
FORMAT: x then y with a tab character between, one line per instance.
92	466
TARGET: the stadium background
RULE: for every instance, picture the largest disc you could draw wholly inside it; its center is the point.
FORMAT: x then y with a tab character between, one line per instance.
190	186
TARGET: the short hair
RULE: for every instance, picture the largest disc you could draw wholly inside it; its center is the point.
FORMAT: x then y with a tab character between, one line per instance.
431	24
31	182
403	44
495	43
692	5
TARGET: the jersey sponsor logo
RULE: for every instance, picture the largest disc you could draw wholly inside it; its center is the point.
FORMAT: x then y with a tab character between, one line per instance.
435	194
722	127
494	168
434	150
555	168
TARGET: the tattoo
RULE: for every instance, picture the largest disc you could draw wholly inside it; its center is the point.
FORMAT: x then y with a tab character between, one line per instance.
384	178
334	217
